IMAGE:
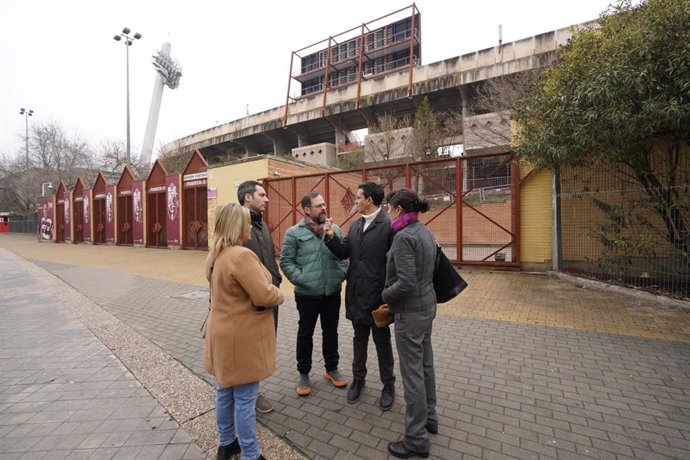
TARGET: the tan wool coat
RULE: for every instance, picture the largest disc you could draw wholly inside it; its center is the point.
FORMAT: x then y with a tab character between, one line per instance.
240	344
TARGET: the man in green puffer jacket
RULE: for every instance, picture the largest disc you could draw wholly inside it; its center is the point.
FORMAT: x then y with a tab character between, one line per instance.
317	276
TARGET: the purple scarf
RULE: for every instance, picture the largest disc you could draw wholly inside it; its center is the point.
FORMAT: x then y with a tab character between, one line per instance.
314	226
402	220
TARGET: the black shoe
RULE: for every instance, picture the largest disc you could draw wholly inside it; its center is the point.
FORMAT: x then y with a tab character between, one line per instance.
432	427
225	452
398	449
355	390
387	396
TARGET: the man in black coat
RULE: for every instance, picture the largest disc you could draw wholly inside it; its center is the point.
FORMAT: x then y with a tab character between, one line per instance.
252	196
366	246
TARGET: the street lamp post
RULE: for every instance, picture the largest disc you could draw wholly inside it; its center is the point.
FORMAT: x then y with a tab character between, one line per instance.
128	42
27	113
43	187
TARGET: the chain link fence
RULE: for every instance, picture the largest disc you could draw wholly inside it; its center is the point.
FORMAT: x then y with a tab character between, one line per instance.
616	229
23	223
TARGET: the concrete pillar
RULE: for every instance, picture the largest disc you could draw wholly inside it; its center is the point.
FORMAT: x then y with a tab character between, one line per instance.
280	146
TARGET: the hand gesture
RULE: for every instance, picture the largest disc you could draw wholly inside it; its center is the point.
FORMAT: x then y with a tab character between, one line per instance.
328	228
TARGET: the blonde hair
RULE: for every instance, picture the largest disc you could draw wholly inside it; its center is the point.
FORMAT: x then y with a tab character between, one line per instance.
232	221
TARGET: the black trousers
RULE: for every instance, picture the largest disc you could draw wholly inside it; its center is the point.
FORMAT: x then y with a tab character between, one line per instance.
384	352
310	308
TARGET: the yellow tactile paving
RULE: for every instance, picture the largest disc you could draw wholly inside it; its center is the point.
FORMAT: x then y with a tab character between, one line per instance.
515	297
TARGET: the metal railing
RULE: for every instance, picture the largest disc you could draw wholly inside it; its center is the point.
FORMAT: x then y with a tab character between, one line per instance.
23	223
617	231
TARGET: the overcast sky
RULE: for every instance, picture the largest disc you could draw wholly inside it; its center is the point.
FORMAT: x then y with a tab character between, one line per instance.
59	57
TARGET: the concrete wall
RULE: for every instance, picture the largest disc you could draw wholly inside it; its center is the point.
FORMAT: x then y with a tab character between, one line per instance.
481	132
396	143
318	154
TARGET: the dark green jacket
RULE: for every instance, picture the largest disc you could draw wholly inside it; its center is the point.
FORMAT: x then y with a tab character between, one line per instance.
309	265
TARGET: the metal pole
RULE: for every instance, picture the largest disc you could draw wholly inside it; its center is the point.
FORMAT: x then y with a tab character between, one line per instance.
26	121
127	44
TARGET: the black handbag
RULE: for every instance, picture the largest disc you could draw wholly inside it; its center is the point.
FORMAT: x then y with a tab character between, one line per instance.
447	281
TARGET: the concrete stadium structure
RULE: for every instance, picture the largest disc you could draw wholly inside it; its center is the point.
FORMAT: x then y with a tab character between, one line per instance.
314	120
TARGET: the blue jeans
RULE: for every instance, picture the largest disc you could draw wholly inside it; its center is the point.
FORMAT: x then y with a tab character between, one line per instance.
235	412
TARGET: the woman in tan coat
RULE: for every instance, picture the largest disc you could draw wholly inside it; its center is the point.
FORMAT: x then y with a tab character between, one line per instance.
240	344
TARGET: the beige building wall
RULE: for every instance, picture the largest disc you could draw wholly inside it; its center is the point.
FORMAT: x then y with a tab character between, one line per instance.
536	219
223	180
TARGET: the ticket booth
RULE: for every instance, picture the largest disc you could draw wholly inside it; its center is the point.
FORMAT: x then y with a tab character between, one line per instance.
4	222
156	207
61	214
78	211
99	210
125	209
195	203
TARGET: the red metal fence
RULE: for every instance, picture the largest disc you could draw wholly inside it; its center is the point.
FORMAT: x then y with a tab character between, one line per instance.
474	201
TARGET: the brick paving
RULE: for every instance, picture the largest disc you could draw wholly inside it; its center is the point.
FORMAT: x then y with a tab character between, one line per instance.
527	366
62	392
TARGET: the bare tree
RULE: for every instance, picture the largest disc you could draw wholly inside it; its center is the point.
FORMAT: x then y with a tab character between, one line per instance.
392	139
174	157
18	186
112	155
488	122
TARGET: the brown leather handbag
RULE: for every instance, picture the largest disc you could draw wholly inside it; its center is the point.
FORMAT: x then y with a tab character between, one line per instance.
382	316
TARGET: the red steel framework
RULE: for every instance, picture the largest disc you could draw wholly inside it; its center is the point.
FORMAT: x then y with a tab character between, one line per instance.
475	203
414	40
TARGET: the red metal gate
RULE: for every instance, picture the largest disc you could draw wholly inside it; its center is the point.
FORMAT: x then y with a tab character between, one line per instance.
195	231
474	203
78	220
125	212
99	220
155	227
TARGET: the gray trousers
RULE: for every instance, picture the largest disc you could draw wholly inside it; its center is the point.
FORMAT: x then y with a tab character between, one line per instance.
416	359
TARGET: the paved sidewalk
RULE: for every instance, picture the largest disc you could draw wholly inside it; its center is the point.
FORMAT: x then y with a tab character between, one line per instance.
527	366
63	394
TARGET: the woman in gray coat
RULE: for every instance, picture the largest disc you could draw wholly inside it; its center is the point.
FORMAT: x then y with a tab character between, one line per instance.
409	292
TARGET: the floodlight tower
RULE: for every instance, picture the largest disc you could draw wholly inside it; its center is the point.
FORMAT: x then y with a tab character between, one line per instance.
27	113
168	72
